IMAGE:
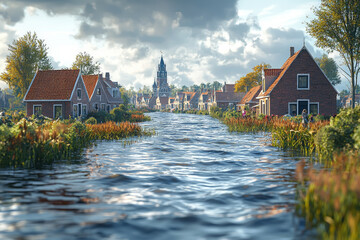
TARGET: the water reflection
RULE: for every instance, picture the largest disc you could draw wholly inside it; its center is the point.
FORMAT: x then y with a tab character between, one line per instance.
193	180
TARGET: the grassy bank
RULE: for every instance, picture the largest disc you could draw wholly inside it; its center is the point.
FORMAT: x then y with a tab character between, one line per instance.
35	142
329	199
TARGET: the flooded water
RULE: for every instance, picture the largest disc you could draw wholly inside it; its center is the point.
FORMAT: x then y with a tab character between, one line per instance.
193	180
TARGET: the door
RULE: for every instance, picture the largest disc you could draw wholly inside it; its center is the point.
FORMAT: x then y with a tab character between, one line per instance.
303	104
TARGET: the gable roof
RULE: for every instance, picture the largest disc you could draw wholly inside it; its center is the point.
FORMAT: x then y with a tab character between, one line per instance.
90	83
284	67
251	95
229	87
52	85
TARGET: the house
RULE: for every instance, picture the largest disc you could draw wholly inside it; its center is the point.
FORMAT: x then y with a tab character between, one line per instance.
203	101
104	94
190	100
249	99
348	101
57	94
162	103
227	97
171	104
179	101
299	84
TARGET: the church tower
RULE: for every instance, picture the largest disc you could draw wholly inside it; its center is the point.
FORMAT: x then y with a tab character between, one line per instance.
161	84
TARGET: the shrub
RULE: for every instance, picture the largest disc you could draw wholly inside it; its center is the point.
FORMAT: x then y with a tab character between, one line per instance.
91	120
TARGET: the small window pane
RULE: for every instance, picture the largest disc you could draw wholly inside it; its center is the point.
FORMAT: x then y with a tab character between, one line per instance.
57	112
79	93
314	108
84	110
98	92
303	81
293	108
37	110
75	111
102	107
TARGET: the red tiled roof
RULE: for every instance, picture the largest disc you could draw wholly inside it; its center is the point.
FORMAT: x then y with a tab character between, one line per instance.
229	87
250	95
272	72
90	83
52	85
284	67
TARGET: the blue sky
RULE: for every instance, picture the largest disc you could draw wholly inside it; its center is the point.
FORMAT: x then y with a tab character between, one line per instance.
202	40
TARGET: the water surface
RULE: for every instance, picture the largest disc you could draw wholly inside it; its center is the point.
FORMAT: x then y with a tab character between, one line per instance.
193	180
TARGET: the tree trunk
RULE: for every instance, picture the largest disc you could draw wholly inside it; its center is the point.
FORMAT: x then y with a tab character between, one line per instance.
352	84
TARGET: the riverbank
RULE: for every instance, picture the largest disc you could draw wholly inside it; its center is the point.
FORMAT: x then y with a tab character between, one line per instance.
328	199
37	141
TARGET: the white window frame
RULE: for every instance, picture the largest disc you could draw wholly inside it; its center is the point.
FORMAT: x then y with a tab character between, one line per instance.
82	108
297	81
77	106
289	103
297	109
37	105
318	106
57	105
77	95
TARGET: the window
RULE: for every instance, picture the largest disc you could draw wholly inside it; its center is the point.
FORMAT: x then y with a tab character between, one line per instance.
96	107
98	92
75	110
57	111
108	108
303	81
84	112
37	110
114	93
293	109
103	107
314	108
79	93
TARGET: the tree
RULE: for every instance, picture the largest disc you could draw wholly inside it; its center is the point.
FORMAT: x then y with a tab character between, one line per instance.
251	79
27	55
337	28
330	69
86	63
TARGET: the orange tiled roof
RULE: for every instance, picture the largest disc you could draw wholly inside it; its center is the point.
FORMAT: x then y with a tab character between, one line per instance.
272	71
52	85
250	95
284	67
90	83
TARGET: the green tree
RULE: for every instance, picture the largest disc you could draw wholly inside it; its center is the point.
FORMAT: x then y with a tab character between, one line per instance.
86	63
251	79
27	55
336	27
216	85
330	69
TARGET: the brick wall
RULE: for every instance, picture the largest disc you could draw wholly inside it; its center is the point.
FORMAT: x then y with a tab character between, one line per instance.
48	108
320	89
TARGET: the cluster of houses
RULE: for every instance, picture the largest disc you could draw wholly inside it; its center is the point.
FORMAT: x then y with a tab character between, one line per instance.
68	93
299	84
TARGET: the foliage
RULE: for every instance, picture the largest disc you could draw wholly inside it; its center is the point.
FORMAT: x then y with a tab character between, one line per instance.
336	27
119	114
339	134
331	199
86	63
26	55
91	120
328	65
251	79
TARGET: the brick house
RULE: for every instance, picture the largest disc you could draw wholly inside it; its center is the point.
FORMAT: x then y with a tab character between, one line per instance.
250	99
203	101
191	100
162	103
57	94
227	97
299	84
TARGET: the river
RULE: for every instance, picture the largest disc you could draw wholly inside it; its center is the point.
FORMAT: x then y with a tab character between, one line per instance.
192	180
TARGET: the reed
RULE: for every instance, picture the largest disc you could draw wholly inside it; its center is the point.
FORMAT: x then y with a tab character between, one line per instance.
329	199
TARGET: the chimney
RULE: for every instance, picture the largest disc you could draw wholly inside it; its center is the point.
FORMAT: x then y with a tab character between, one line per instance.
107	76
100	76
292	51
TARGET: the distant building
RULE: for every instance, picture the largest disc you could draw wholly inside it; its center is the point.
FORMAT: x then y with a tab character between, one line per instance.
161	87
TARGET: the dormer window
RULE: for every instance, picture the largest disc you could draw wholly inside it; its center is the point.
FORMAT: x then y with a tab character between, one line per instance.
79	93
303	81
114	93
98	92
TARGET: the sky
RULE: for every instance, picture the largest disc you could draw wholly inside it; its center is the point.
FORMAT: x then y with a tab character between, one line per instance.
201	40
